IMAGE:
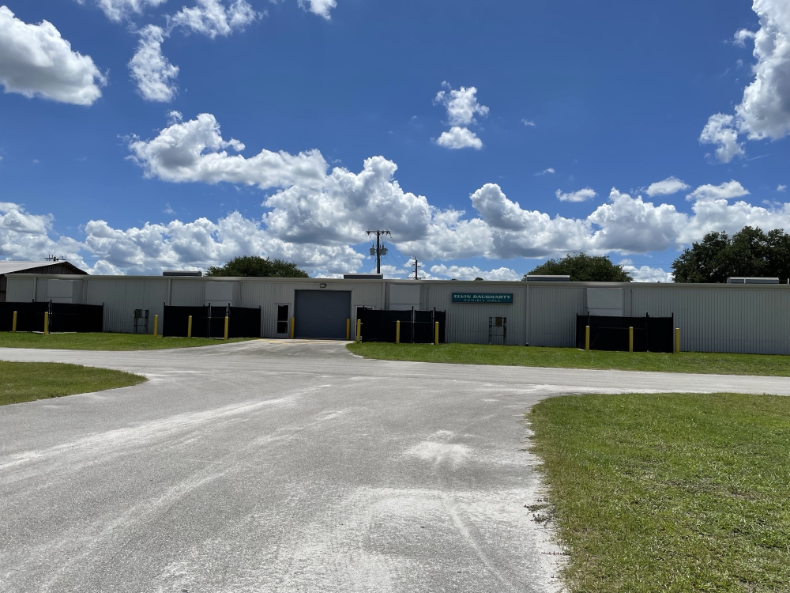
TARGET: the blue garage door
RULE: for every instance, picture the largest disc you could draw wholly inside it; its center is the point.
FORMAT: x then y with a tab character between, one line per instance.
322	314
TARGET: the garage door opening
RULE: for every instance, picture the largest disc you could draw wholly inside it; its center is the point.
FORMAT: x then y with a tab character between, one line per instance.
322	314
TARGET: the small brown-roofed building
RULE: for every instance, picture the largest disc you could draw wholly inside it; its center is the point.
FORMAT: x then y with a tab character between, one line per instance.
36	267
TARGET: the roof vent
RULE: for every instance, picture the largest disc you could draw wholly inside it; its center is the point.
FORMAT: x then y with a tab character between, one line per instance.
754	280
183	273
548	278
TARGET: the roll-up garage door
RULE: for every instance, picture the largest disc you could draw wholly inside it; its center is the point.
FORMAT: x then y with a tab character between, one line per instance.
322	314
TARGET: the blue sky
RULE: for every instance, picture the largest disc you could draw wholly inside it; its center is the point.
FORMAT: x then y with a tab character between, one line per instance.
487	136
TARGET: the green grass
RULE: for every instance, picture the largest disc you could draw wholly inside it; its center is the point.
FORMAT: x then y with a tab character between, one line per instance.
672	492
685	362
104	341
28	381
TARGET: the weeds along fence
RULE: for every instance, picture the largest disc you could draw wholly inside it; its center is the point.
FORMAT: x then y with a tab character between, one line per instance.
416	327
651	334
63	317
209	322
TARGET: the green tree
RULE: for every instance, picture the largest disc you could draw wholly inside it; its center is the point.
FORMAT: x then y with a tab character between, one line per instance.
583	268
750	252
250	266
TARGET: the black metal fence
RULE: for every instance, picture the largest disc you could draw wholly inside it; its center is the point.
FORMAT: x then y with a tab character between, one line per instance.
416	327
651	334
63	317
209	322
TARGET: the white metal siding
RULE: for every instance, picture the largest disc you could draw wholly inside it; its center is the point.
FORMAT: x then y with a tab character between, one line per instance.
19	290
122	296
744	320
552	315
468	322
187	293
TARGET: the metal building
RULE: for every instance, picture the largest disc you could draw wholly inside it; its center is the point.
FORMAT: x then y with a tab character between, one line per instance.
743	318
39	267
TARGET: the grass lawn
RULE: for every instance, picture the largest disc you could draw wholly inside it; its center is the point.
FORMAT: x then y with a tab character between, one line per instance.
685	362
103	341
28	381
669	492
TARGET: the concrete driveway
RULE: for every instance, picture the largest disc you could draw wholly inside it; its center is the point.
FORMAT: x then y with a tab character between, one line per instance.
287	466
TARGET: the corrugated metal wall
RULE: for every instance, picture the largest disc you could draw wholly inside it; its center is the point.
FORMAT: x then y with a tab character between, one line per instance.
712	318
121	297
468	322
742	319
552	314
19	290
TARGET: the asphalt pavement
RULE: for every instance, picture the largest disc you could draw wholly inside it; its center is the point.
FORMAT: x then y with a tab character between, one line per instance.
287	466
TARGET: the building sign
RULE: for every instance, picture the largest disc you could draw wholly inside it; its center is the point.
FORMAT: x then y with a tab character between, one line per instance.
478	297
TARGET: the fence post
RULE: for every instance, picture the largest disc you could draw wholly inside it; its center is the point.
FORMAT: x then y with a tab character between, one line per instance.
156	326
587	338
359	330
46	323
227	319
397	332
13	323
189	327
630	339
677	340
348	330
436	334
293	326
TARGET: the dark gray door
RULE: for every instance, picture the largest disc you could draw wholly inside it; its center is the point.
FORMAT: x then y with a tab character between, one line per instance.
322	314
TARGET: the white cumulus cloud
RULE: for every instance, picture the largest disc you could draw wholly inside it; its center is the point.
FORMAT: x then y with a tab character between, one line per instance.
117	10
764	111
151	70
213	18
315	205
646	273
322	8
667	187
462	106
576	196
472	272
722	130
195	151
549	171
35	61
458	137
781	187
725	191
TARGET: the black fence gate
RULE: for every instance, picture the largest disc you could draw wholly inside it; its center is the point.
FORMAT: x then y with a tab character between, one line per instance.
209	322
651	334
416	327
63	317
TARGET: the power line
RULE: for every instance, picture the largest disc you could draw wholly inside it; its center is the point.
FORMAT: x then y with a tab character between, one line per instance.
377	250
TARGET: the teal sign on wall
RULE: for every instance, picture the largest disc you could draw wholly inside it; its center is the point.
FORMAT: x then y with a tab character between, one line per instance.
478	297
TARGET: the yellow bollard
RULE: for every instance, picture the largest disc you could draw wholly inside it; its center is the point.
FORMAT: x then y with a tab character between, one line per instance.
156	326
13	323
189	327
293	326
397	332
587	339
677	340
227	320
359	330
348	330
630	339
46	323
436	334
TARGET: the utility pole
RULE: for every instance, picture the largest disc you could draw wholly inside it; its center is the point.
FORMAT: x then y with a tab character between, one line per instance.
378	250
416	269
